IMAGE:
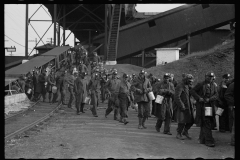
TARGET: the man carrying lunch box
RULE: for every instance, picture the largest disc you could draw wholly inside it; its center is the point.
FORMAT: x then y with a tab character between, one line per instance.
205	93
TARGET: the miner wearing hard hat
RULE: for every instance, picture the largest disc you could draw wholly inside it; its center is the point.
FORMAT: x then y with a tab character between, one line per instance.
205	93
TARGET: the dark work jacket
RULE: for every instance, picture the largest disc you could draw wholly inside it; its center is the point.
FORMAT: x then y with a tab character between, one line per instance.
229	95
184	110
167	91
198	92
40	88
145	86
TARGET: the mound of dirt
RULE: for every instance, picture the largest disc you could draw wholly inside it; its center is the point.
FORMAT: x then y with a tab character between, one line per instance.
220	60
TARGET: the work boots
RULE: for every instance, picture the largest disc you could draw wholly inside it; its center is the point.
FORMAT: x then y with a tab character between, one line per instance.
121	119
143	123
185	133
125	121
179	136
140	123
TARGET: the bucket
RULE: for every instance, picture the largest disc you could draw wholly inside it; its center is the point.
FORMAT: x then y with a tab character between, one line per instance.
151	96
87	100
159	99
54	89
29	91
219	111
208	111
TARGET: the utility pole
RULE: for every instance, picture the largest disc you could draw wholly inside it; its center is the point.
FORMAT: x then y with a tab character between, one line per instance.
26	32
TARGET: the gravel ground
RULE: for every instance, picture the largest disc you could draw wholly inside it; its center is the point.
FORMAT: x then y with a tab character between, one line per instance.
67	135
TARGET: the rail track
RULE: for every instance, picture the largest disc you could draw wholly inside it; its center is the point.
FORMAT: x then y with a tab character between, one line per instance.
22	121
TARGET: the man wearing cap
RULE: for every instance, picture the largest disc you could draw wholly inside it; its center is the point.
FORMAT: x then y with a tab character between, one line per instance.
141	86
51	82
229	96
41	85
96	58
184	107
94	90
70	81
63	87
222	103
85	82
205	93
82	68
124	98
103	82
164	111
112	88
78	90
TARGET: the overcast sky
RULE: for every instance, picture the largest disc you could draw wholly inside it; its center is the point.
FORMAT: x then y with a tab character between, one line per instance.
14	25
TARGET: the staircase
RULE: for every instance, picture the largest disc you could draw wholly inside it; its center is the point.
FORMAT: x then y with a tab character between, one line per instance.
113	33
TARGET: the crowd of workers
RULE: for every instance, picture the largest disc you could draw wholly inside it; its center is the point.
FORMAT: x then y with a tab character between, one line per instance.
179	101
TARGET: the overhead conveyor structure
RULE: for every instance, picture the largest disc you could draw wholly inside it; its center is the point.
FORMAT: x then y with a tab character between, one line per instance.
170	26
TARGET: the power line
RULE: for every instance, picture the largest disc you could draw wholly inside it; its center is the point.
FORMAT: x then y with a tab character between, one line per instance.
15	41
18	24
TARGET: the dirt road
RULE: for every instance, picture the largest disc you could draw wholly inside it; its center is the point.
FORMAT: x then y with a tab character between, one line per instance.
67	135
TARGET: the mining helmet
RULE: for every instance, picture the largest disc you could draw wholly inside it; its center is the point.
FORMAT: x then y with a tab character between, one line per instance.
125	75
142	72
189	77
226	76
166	75
210	74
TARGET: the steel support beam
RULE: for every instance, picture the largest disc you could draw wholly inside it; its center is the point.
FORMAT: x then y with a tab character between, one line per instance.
70	12
64	24
58	30
58	34
54	19
93	14
89	43
40	39
106	32
26	33
41	20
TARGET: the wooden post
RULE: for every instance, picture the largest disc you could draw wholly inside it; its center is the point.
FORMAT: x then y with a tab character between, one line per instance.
143	57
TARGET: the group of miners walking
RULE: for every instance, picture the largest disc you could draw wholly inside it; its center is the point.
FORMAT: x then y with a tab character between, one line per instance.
183	102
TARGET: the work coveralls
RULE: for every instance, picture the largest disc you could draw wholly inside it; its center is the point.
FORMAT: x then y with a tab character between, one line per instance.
103	82
124	99
141	98
70	81
94	88
51	82
164	111
205	90
229	96
78	90
112	86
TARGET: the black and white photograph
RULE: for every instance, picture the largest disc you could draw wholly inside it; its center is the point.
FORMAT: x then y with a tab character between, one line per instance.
120	81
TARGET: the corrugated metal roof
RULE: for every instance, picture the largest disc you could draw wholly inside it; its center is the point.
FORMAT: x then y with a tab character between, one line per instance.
28	66
56	51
